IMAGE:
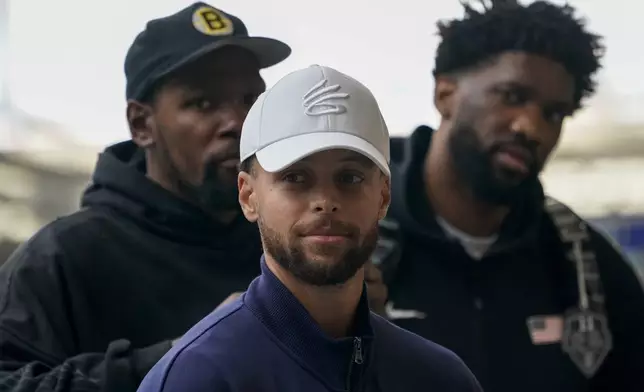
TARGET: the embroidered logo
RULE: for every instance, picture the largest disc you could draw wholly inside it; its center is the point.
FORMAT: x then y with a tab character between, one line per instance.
322	99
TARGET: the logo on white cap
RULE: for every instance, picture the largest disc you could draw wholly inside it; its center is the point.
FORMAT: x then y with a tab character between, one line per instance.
318	100
313	110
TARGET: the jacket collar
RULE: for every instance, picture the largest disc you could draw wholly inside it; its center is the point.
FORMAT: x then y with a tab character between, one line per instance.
285	317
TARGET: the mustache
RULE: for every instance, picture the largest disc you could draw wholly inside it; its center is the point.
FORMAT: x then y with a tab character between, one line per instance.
517	141
226	149
327	226
224	156
213	162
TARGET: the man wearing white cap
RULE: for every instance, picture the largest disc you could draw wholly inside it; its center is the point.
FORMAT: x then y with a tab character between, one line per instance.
315	177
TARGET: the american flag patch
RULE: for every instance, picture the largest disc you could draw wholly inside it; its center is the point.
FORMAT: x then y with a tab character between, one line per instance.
545	329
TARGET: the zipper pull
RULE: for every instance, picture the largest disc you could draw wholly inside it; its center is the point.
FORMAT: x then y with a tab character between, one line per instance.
357	351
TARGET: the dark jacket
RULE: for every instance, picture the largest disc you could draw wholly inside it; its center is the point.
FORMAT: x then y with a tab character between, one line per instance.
94	299
266	341
479	309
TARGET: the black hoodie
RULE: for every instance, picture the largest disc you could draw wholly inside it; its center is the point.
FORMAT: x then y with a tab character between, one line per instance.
479	309
94	299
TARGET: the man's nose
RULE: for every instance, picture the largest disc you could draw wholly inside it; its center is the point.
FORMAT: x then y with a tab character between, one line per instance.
232	119
530	122
325	208
324	201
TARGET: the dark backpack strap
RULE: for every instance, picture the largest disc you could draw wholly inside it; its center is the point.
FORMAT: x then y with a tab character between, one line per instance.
573	233
587	338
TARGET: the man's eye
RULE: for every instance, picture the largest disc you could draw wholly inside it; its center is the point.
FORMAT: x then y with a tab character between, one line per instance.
555	116
350	178
201	103
514	97
295	178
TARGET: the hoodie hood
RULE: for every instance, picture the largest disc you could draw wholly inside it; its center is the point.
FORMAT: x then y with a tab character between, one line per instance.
410	206
120	184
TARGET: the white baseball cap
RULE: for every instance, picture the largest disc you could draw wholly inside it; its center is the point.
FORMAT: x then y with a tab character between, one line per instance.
311	110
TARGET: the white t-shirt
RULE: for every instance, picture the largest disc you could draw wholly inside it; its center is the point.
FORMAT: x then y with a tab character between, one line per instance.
476	247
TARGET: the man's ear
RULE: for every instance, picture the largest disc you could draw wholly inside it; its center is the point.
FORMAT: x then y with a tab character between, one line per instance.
247	196
385	199
444	92
141	122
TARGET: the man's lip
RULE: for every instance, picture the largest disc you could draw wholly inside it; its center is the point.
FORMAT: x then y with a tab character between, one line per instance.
517	152
323	233
326	238
512	161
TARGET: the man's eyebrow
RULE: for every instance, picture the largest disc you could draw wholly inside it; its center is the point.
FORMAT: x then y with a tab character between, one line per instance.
532	91
359	159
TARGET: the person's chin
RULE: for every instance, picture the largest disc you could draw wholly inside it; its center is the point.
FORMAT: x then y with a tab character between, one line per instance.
509	179
325	257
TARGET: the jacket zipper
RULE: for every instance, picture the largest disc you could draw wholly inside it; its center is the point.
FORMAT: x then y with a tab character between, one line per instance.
357	358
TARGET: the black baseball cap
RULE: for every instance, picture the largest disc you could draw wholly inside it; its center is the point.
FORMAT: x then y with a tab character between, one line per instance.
171	42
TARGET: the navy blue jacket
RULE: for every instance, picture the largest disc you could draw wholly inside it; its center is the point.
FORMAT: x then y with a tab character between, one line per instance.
266	341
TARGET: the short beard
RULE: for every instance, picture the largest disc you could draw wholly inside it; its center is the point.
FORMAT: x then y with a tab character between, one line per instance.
473	165
292	258
213	195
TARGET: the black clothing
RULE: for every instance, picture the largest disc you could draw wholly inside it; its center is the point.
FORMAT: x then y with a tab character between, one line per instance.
479	308
94	299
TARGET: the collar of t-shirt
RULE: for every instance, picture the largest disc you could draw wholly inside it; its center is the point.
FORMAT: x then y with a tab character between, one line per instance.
475	247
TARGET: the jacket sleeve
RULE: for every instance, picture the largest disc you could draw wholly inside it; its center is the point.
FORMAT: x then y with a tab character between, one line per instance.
37	341
624	366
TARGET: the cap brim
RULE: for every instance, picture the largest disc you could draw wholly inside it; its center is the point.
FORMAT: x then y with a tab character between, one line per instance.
282	154
268	51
